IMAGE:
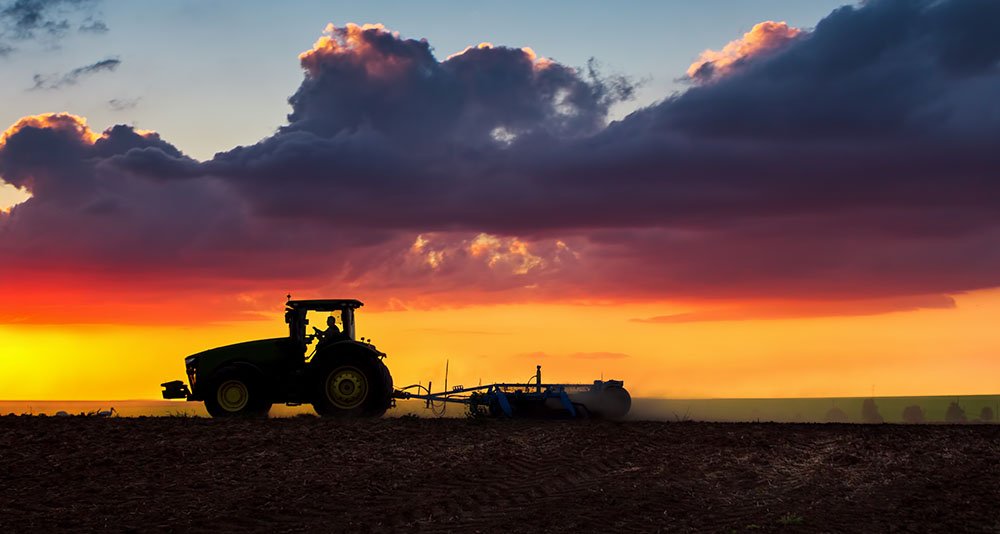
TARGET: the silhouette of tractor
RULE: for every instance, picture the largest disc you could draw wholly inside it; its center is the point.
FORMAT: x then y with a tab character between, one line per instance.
345	377
342	377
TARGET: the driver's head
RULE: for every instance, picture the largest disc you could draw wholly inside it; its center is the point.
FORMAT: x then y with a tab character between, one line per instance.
331	321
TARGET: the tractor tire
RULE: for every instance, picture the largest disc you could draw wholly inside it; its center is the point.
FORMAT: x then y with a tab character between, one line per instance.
235	391
353	386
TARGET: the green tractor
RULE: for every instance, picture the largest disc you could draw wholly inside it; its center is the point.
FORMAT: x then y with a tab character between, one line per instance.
341	377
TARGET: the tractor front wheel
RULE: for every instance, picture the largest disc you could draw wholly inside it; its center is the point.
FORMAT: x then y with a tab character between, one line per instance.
353	386
236	392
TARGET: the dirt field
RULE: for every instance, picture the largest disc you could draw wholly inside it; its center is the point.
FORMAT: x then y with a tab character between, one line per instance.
392	475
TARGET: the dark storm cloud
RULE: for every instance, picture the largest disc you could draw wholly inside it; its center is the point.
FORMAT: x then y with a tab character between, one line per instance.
369	78
855	157
395	121
90	212
122	209
57	81
51	154
852	115
889	69
853	161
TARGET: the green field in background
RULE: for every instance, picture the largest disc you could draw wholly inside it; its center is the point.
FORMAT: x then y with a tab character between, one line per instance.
807	410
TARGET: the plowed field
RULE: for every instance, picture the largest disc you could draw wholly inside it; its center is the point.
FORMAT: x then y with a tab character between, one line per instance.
428	475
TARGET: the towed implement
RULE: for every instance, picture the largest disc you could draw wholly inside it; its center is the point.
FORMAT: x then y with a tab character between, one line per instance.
345	376
603	399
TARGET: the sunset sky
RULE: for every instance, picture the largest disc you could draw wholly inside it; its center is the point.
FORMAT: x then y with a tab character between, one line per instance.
704	199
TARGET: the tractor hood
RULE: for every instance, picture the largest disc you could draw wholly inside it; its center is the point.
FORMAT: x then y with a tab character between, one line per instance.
262	354
246	346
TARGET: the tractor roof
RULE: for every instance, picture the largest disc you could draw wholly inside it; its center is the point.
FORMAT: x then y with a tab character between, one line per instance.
324	304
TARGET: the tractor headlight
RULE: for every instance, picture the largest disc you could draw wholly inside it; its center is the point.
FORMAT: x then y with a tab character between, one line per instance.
191	363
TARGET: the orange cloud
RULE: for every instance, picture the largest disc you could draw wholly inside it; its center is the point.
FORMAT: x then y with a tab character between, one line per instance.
509	255
763	37
478	46
66	122
358	42
537	61
53	121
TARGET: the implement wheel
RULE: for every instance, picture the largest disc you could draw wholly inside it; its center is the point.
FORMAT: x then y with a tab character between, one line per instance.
236	391
356	385
612	402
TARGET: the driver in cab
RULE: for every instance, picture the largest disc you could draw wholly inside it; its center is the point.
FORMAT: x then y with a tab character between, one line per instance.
331	334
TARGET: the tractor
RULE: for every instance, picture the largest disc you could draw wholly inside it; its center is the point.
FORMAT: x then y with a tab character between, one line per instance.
341	377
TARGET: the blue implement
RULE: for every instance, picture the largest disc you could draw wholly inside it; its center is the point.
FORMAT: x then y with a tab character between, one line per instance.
602	398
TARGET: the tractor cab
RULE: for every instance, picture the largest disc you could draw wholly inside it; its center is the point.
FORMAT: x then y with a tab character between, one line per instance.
296	316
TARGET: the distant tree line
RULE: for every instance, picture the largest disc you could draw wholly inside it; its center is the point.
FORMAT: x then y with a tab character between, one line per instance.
912	414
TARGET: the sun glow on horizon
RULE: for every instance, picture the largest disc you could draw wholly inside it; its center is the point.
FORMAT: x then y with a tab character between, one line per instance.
925	352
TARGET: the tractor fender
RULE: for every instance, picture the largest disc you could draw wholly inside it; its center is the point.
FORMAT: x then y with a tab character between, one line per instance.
331	353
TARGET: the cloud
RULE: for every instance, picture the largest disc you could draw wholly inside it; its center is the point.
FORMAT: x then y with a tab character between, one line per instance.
761	39
817	169
851	163
368	78
99	229
58	123
49	20
122	104
765	309
93	26
57	81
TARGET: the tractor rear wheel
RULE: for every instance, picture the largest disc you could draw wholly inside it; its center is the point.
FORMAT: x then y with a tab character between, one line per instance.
356	385
235	391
